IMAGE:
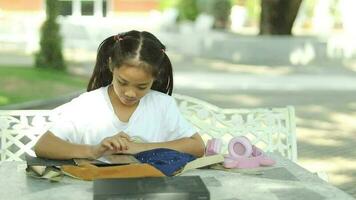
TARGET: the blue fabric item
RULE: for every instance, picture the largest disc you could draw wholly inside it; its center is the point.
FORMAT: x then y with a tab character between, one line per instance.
168	161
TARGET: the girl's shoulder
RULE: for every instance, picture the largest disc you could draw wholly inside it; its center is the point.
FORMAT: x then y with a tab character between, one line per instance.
91	97
97	93
158	98
86	100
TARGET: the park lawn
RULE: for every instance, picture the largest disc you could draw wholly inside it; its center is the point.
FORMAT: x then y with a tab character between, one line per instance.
22	84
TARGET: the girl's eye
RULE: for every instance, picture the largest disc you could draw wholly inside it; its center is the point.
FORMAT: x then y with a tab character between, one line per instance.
121	83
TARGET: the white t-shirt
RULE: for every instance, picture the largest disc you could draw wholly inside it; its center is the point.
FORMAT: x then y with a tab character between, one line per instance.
90	118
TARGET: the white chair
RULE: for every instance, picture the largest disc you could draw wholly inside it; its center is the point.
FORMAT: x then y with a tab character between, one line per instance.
20	130
273	130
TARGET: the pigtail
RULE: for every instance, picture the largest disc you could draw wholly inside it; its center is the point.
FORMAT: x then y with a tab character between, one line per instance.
170	82
168	78
164	70
164	79
102	75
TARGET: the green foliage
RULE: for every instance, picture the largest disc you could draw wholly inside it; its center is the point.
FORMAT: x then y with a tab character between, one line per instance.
50	54
165	4
335	11
253	10
188	10
309	8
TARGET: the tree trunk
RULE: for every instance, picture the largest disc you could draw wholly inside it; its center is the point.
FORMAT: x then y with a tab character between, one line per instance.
277	16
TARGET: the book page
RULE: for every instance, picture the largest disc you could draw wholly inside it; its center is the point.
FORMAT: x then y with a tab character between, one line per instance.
203	162
118	159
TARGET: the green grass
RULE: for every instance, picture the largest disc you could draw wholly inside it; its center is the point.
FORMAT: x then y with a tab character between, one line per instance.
22	84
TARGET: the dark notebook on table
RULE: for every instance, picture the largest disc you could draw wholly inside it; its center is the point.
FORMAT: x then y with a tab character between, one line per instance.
173	188
37	161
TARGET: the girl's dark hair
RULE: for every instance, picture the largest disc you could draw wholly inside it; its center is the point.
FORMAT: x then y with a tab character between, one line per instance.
133	48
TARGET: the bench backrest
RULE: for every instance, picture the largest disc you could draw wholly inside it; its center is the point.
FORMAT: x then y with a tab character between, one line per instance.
273	130
20	130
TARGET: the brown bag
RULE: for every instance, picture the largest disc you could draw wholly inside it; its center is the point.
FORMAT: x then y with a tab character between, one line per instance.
91	172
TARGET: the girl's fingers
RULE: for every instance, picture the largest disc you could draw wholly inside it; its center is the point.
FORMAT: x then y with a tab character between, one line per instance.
123	142
116	144
123	138
108	144
124	135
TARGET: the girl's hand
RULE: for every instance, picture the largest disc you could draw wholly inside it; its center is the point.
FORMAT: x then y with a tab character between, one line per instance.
134	148
110	145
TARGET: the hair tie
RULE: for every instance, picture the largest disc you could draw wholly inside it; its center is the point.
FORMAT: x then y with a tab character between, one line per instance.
163	50
118	38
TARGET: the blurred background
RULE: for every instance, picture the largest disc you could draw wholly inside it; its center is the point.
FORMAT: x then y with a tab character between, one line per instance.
232	53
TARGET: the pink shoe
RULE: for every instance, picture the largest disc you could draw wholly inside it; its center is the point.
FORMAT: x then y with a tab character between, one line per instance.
230	162
263	159
241	163
213	147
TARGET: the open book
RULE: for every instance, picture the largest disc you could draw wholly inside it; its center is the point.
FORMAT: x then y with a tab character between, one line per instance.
39	164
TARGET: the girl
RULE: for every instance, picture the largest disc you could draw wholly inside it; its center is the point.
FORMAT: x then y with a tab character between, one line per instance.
128	99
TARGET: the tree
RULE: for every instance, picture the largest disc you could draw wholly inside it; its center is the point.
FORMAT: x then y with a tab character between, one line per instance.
50	54
188	10
277	16
220	10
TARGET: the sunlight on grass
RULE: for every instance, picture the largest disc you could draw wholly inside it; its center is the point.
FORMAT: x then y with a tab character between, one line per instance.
338	179
345	121
316	137
351	65
230	67
342	122
333	133
182	81
320	124
247	100
331	167
313	108
352	105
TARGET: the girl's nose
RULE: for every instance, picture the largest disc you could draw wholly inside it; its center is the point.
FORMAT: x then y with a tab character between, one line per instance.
130	93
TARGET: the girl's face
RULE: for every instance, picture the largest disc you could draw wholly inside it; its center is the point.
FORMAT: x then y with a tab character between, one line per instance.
131	84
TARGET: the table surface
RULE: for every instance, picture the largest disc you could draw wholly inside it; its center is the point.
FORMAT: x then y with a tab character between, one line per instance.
286	180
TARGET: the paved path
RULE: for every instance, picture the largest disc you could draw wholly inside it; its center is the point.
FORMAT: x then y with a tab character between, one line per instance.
229	81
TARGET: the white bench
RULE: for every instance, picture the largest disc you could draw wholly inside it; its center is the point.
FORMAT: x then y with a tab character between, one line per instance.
273	130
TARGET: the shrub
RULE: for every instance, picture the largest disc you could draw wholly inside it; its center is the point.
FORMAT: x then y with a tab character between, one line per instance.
50	53
188	10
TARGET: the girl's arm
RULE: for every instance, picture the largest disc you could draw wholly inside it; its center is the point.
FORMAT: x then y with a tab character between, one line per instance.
50	146
193	145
